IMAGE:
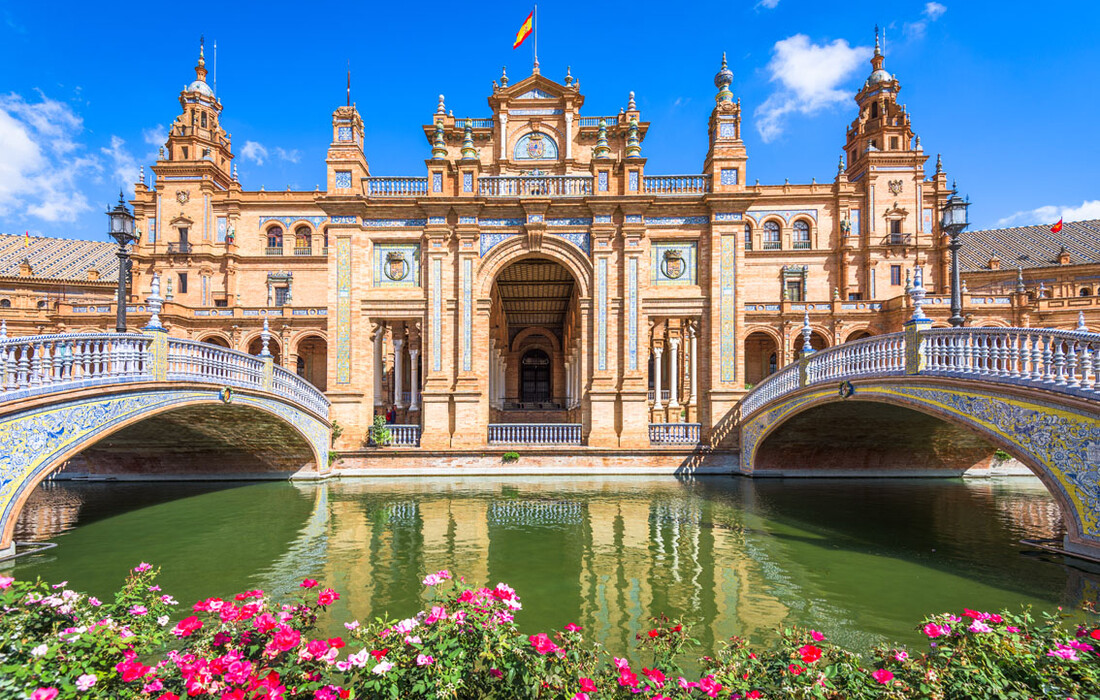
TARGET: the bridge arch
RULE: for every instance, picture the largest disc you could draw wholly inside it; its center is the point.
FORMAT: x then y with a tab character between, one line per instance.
274	438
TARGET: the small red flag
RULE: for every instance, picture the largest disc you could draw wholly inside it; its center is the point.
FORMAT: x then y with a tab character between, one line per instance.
1056	228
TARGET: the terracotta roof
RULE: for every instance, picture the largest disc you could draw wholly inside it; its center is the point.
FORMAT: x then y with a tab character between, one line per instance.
57	258
1031	246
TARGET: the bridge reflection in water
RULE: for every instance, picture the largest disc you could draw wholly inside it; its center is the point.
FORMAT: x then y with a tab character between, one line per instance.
860	559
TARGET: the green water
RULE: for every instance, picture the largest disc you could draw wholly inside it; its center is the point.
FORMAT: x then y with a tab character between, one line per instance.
861	560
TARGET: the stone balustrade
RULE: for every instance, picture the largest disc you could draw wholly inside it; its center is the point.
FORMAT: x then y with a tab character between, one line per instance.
534	433
1063	361
47	364
535	186
404	435
676	184
674	433
585	122
396	186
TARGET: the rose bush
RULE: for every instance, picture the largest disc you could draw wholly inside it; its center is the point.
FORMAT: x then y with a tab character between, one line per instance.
58	643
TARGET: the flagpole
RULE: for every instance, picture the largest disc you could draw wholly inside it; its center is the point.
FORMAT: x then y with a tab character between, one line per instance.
535	31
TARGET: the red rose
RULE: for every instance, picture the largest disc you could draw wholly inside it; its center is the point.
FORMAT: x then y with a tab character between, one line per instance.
809	653
653	634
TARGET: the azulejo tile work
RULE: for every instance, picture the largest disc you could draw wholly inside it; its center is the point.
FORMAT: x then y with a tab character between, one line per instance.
505	275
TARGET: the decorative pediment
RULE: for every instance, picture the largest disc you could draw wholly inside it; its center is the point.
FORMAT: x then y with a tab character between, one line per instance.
181	220
536	94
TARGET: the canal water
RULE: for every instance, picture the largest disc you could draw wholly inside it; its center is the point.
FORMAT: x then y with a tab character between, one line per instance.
861	560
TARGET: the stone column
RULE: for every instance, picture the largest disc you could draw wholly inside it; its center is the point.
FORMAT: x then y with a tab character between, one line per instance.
414	381
568	135
379	334
694	366
673	373
658	404
568	384
398	367
492	373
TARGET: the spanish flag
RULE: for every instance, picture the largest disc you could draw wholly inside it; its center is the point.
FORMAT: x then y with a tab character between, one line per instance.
1057	228
524	30
27	239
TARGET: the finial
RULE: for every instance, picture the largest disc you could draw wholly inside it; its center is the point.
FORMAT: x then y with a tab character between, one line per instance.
160	153
504	76
840	164
602	149
878	51
908	281
439	146
168	295
939	163
440	109
535	69
1081	322
916	144
4	328
965	289
1042	290
1020	288
722	80
836	293
954	185
155	302
234	171
807	347
265	335
917	295
468	150
202	47
349	83
141	175
633	143
630	102
568	76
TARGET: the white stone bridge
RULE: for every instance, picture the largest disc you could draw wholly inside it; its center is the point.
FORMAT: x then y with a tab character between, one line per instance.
144	402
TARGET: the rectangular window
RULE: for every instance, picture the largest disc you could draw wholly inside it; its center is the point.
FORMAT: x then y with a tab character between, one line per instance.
893	143
748	237
793	291
855	296
280	296
183	283
185	152
895	275
895	226
221	302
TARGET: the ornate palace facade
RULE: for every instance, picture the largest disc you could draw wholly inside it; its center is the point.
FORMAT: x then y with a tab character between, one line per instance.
539	277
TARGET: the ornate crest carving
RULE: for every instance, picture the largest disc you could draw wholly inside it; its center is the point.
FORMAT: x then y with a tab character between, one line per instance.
672	264
536	148
895	186
182	196
397	268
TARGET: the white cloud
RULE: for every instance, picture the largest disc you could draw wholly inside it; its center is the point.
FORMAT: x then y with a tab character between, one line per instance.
809	76
292	156
767	4
254	151
1089	209
932	12
155	136
124	166
42	166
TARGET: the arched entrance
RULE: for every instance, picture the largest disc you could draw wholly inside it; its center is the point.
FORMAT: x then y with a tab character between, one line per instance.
215	340
761	357
312	361
534	349
858	335
817	342
257	344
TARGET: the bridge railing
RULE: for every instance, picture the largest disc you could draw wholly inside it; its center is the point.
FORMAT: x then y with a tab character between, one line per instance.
190	360
1064	361
291	386
43	364
1041	357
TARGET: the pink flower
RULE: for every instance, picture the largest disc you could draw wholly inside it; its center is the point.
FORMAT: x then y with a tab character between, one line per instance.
327	597
979	627
1063	651
882	676
588	685
44	694
573	628
580	696
6	581
381	668
817	636
307	583
1012	630
353	625
655	676
139	610
1080	646
621	663
132	670
627	678
708	685
86	681
794	669
809	653
901	656
496	673
424	660
186	626
94	602
933	630
142	567
438	613
542	644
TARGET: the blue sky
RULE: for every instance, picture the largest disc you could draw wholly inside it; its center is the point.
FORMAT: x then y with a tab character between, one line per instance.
1006	91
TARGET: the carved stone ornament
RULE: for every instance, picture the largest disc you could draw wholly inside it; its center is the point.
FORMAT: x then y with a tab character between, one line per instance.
182	196
895	186
397	268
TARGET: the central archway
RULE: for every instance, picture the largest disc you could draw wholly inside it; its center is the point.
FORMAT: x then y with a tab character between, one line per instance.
534	346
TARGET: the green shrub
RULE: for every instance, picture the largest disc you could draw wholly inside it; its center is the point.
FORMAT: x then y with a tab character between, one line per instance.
509	457
379	433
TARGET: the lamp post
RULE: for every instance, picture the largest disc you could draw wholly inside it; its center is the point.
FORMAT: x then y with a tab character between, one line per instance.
954	221
122	230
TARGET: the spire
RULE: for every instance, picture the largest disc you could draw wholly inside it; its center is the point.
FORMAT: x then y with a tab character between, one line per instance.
568	76
1020	288
807	346
722	80
878	73
602	150
441	108
200	67
468	150
349	83
630	105
939	163
504	76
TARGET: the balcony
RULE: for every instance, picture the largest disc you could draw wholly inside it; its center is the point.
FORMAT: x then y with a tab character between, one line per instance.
674	433
595	121
303	251
535	186
676	184
180	248
773	245
273	250
534	433
404	435
899	239
801	245
396	186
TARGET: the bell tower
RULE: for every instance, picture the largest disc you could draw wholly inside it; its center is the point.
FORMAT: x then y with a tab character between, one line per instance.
726	156
197	144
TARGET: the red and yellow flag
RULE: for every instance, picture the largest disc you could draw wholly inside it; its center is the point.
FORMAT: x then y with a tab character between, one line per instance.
1057	228
524	30
26	239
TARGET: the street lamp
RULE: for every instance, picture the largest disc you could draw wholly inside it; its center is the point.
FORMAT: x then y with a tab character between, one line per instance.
122	230
954	221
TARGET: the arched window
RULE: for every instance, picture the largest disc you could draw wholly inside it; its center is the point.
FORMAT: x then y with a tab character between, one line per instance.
1085	291
42	303
5	303
748	236
303	241
275	240
874	110
801	235
771	236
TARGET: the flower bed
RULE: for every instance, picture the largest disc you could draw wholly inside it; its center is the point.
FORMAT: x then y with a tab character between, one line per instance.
57	643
